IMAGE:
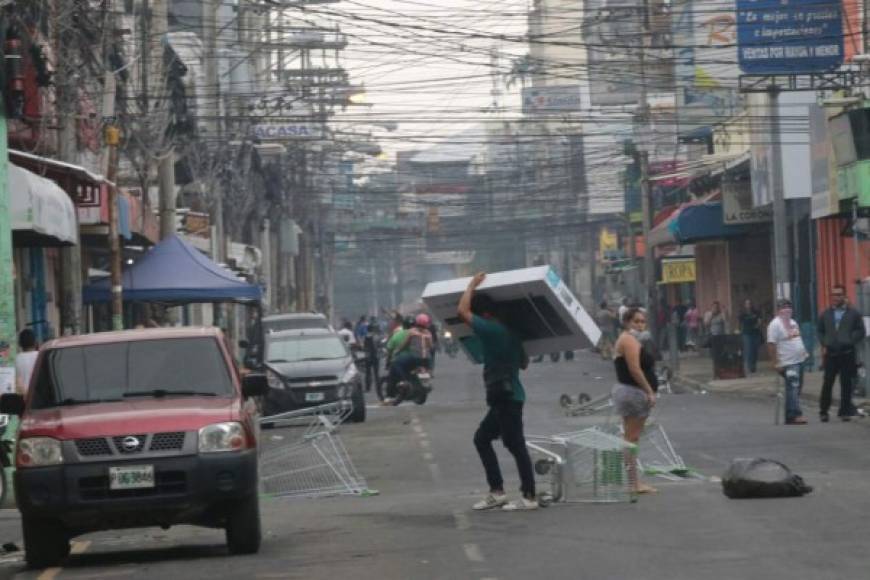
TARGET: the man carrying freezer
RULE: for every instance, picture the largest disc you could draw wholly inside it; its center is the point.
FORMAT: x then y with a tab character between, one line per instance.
503	357
788	352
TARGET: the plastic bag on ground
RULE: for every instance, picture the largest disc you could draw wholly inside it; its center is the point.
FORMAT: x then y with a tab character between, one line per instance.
761	478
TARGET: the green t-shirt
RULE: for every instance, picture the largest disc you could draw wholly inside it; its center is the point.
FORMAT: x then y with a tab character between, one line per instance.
502	347
397	339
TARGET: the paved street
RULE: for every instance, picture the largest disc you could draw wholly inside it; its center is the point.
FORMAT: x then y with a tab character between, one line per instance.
420	526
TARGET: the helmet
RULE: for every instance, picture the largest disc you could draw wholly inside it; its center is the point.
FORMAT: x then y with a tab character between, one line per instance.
422	320
408	322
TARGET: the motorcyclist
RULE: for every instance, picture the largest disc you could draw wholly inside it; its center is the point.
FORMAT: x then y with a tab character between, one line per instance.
414	351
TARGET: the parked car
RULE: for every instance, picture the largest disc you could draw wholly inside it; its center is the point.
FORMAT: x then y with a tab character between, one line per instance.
311	367
295	321
135	429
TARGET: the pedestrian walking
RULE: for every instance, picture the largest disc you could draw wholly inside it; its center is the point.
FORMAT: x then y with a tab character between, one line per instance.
634	395
787	350
692	320
750	333
840	330
607	323
503	357
25	360
623	308
371	345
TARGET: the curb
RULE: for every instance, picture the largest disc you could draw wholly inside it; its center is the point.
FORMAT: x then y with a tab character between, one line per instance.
700	387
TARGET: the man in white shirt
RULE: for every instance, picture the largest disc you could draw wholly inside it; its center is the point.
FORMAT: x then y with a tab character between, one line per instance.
25	360
787	350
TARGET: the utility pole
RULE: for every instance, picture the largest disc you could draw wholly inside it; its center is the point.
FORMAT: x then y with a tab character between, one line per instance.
649	282
781	253
70	256
113	139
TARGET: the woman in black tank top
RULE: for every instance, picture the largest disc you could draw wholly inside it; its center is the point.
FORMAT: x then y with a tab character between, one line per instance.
634	395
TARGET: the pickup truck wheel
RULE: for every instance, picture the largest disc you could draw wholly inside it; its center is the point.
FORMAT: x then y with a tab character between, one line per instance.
358	415
45	542
243	526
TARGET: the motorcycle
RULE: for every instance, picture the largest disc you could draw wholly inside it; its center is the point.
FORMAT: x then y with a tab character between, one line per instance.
416	389
451	347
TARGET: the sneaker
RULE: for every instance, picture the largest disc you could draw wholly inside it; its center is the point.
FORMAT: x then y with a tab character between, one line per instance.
824	418
491	501
521	505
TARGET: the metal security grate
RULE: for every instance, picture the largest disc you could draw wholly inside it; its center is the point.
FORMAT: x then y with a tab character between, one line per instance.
92	447
167	441
122	443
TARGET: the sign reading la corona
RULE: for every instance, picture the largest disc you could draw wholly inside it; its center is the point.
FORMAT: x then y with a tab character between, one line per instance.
678	271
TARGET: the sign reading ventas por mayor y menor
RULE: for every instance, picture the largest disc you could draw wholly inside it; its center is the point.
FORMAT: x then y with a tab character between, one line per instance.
789	36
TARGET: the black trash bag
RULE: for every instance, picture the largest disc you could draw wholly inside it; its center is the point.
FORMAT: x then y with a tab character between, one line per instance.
762	478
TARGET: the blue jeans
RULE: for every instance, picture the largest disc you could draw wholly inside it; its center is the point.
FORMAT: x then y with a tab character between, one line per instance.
751	343
794	380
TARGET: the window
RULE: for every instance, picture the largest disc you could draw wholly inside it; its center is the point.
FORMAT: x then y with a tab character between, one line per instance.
107	372
304	348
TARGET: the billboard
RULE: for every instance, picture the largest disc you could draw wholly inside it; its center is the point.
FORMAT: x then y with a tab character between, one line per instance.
797	36
706	73
614	70
555	99
793	110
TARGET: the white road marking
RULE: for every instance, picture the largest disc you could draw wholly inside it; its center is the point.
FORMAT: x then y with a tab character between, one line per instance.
76	548
436	472
415	420
462	521
424	443
428	456
418	429
472	552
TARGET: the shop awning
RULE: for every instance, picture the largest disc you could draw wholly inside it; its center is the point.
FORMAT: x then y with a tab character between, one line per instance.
174	271
42	214
696	221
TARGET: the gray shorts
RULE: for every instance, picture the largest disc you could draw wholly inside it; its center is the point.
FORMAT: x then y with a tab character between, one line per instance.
630	401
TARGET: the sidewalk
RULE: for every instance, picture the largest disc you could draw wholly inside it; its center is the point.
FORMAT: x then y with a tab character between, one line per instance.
696	372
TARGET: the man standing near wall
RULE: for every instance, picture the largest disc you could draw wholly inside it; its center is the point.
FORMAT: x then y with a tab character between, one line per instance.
840	330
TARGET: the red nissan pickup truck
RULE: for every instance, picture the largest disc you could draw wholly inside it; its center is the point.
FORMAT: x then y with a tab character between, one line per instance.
134	429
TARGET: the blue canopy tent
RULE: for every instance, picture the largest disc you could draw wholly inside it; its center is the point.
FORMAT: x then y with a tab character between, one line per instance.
176	272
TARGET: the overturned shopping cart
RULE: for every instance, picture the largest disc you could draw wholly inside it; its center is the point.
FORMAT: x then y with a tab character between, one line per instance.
588	466
304	456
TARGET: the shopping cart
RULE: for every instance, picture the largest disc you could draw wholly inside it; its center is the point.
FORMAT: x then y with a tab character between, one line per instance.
586	405
307	458
587	466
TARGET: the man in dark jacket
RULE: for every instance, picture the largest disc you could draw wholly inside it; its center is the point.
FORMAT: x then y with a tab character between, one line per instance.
840	330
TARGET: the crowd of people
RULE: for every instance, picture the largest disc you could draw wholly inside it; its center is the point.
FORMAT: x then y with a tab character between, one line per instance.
839	330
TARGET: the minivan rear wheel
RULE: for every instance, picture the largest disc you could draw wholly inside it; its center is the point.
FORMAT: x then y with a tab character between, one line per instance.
243	526
45	542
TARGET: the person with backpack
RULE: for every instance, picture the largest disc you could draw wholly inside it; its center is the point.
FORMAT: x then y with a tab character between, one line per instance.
503	357
414	352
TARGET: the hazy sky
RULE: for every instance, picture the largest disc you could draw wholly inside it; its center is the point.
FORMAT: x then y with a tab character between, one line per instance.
424	64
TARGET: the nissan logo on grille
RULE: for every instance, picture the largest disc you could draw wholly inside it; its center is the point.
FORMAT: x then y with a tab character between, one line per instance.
131	443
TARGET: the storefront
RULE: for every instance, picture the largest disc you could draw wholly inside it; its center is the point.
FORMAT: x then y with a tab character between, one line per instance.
43	220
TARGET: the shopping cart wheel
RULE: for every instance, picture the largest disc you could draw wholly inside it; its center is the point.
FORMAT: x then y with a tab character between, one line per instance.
543	466
565	401
583	398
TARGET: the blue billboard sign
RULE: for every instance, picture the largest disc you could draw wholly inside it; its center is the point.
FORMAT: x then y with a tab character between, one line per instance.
789	36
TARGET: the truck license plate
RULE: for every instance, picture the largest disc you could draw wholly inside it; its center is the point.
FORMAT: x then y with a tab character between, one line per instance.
313	397
132	477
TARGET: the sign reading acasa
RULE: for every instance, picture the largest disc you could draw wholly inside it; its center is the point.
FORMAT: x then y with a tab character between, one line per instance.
282	131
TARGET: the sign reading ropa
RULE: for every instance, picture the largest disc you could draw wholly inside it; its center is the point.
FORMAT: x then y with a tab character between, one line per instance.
789	36
283	131
678	271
